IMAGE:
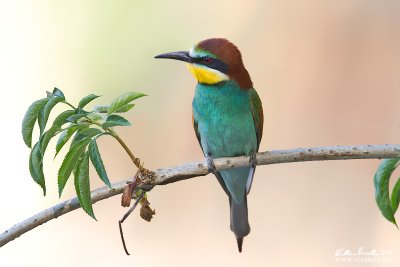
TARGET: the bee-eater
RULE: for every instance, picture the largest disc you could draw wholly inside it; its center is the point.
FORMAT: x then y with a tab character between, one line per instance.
227	118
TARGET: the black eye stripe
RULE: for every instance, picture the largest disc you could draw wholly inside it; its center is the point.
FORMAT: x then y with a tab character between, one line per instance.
212	63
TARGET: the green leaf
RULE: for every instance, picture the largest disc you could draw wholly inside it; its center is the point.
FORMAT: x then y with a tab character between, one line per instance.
101	108
36	166
44	113
82	185
46	137
74	118
65	136
75	175
115	120
396	196
28	123
86	100
54	129
61	119
381	182
69	163
94	116
125	108
58	92
84	134
122	101
98	162
89	132
81	111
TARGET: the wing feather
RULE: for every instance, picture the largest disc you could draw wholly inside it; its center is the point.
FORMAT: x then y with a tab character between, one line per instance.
257	113
258	120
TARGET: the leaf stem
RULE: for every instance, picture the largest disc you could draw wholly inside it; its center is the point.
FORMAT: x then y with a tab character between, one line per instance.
69	104
135	160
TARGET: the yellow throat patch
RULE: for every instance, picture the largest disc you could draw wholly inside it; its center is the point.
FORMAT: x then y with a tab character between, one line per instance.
206	75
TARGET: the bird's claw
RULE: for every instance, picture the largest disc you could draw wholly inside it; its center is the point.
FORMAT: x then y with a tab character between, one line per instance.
211	165
253	160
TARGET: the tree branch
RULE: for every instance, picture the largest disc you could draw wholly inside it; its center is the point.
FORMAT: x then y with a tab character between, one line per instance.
182	172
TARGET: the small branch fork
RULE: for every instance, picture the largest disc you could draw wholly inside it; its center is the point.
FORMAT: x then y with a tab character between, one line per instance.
131	190
194	169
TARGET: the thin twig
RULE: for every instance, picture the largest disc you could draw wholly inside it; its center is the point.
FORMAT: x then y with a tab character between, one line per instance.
178	173
126	216
133	207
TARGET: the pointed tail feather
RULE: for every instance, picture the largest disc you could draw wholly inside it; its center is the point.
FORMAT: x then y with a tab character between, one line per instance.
239	220
239	243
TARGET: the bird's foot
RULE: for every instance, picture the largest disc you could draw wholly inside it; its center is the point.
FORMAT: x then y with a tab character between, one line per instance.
211	165
253	160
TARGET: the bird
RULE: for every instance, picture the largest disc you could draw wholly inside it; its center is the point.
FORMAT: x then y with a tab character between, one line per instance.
227	117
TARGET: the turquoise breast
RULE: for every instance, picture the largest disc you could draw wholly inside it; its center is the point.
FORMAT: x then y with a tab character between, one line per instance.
224	119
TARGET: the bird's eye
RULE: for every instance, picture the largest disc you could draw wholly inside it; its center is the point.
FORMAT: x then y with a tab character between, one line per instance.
207	60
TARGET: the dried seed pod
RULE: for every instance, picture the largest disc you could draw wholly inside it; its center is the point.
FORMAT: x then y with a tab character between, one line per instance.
145	211
127	195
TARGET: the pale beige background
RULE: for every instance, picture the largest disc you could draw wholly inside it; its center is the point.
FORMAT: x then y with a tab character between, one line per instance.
326	71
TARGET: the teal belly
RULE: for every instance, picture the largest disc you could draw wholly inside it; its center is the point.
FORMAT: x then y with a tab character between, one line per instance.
225	135
226	129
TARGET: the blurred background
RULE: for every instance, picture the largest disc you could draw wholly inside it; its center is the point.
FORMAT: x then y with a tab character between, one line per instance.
327	73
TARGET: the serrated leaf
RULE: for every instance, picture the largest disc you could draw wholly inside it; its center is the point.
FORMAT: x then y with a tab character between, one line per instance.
381	183
97	162
46	137
65	136
395	198
69	163
74	118
82	185
115	120
101	108
28	123
86	100
58	92
54	129
125	108
44	113
89	132
75	175
85	133
36	166
123	100
61	119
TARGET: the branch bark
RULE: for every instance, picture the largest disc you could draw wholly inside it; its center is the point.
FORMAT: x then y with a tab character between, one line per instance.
194	169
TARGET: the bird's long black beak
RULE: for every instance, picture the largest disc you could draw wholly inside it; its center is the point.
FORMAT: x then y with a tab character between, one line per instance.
180	55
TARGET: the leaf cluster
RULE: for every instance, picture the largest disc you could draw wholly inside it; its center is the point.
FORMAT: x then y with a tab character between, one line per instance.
82	128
